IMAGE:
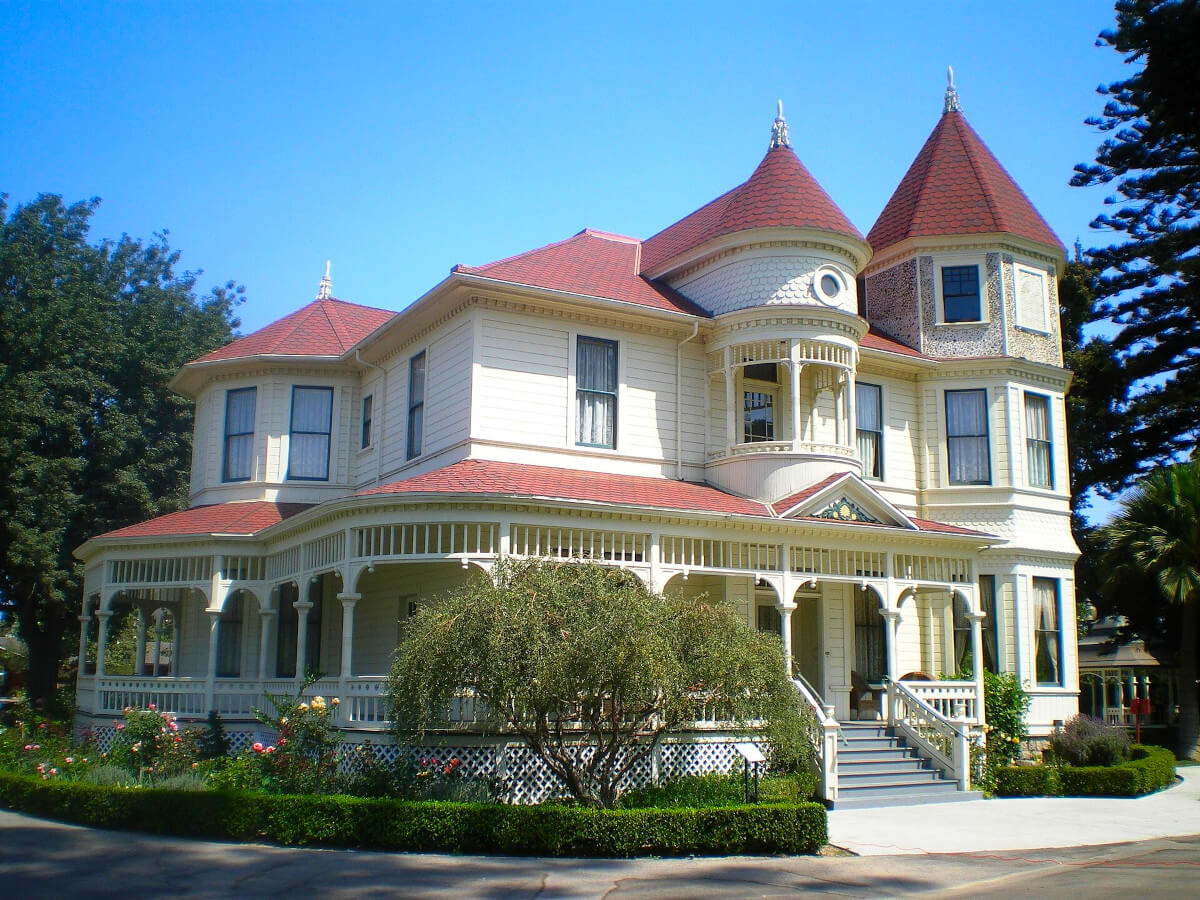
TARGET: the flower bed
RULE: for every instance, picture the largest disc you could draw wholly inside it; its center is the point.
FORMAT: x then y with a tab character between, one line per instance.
340	821
1149	769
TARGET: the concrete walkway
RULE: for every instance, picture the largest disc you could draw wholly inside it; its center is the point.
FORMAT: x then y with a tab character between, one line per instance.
1019	823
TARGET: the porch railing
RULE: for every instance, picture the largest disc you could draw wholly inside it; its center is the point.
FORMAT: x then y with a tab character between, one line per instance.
827	740
943	740
950	698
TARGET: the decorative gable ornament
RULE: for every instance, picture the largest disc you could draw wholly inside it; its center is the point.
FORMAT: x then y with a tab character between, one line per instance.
846	510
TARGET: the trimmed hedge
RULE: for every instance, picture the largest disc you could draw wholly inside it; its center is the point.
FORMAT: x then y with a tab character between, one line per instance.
1149	769
339	821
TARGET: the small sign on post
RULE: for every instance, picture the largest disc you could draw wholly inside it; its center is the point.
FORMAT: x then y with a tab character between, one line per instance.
750	755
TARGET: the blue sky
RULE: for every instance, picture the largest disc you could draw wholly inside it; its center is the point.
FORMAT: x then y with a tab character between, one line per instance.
399	139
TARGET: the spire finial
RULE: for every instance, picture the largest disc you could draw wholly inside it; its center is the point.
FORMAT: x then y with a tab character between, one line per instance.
951	92
779	133
325	291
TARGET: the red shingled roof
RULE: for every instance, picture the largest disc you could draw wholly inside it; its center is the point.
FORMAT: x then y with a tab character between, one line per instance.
878	340
322	328
782	506
245	518
481	476
928	525
592	263
956	186
781	192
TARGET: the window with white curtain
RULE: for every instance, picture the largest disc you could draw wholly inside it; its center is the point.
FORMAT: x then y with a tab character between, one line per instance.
1038	456
596	392
416	405
239	434
312	421
1047	635
229	638
868	403
967	437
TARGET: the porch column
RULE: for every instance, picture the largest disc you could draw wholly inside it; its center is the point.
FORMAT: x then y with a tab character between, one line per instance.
302	608
210	680
794	371
785	632
139	649
264	640
731	410
348	602
977	656
102	640
851	412
158	622
84	621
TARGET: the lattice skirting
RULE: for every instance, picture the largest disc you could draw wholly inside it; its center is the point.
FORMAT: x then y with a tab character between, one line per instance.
526	778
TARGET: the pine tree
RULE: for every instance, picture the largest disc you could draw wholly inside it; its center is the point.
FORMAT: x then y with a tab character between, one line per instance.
1149	281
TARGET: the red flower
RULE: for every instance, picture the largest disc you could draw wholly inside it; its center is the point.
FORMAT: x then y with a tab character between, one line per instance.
257	747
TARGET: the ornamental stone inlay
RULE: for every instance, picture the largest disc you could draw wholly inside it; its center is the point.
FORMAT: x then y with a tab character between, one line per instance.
846	510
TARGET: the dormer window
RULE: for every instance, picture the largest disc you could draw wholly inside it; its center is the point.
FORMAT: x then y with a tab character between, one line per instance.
239	434
960	294
312	422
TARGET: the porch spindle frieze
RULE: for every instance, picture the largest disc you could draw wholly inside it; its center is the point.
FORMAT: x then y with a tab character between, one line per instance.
842	562
944	569
579	543
708	553
425	539
160	570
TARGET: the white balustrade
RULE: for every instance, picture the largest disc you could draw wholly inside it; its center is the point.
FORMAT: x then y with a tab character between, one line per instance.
951	699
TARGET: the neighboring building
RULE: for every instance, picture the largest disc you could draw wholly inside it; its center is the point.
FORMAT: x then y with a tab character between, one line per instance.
1115	668
860	442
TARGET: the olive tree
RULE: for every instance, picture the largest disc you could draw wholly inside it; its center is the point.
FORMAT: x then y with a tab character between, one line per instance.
591	669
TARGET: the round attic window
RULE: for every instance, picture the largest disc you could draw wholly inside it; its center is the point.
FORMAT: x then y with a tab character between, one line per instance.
828	285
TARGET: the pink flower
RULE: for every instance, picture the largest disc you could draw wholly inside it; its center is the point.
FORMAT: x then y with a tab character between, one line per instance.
69	760
151	706
37	746
269	750
178	739
127	709
174	726
29	746
257	747
282	741
54	771
42	726
120	726
41	768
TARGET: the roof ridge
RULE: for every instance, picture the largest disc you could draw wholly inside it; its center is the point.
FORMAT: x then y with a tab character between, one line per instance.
608	235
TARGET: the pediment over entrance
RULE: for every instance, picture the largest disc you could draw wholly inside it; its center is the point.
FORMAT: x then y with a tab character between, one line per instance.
843	498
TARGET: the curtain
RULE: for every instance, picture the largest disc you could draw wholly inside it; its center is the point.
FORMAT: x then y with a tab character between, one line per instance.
962	634
312	415
1037	439
870	641
239	433
966	427
987	602
285	634
1049	647
596	391
416	405
869	428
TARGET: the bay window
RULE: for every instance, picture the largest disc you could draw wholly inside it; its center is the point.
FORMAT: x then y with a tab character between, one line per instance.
1038	456
239	434
1047	634
967	437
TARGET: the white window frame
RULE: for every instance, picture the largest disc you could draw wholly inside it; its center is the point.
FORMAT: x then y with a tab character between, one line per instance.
773	389
882	429
411	452
987	435
977	260
574	390
367	423
1049	442
1042	327
226	478
328	435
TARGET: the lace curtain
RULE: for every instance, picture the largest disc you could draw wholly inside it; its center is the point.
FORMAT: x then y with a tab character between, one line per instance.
966	427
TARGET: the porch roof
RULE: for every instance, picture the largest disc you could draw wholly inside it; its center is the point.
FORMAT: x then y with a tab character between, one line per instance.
237	518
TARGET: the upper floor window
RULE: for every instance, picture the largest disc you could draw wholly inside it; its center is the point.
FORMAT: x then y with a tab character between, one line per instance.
1047	636
596	392
368	408
960	294
760	395
868	405
416	405
1038	456
239	434
967	437
1032	303
312	422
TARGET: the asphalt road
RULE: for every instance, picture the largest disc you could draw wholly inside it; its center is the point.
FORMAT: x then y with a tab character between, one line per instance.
39	858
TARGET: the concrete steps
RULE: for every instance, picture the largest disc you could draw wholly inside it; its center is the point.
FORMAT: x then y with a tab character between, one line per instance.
877	768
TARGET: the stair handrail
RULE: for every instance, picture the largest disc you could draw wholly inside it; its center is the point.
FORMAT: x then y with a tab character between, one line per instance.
827	742
945	741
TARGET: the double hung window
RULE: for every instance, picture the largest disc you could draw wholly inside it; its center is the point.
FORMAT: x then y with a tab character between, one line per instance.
960	294
596	392
760	391
312	421
1047	635
368	409
416	405
1038	457
868	404
967	437
239	434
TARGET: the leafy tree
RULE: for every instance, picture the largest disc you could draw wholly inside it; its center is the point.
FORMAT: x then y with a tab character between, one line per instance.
1149	282
590	668
1153	551
91	438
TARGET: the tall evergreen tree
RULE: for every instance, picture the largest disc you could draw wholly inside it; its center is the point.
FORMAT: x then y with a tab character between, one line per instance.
91	438
1149	281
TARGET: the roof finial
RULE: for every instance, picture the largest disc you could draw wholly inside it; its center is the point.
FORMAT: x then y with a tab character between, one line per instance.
779	134
951	92
325	291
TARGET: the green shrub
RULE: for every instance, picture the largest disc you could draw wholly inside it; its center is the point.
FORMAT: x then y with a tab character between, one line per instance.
445	827
1085	741
1026	781
716	789
1148	769
108	775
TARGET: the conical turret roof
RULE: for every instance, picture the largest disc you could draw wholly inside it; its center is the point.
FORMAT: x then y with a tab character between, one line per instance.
780	193
956	186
